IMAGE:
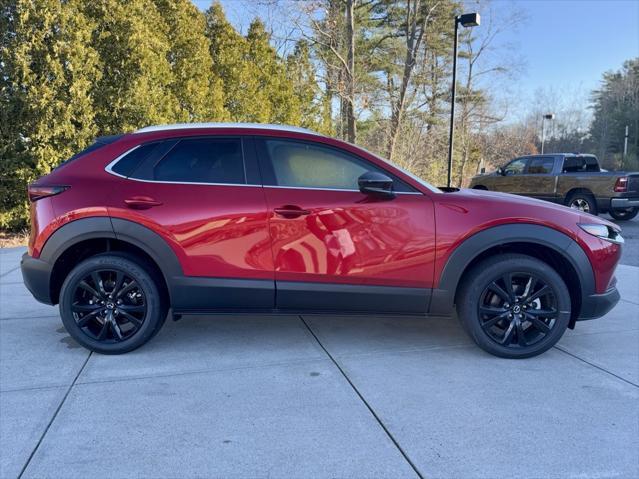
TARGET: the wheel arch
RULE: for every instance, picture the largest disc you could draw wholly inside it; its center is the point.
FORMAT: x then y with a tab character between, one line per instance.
87	237
578	190
556	249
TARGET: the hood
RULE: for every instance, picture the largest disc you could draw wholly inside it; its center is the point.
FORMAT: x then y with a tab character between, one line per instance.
522	207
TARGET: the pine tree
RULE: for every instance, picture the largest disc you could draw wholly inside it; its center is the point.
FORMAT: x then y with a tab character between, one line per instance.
48	69
227	50
303	76
135	88
196	87
274	91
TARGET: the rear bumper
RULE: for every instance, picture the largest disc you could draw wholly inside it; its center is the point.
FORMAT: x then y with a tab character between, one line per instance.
623	203
596	305
37	276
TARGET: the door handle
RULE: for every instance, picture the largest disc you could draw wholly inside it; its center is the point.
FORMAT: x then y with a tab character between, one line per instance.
291	211
141	202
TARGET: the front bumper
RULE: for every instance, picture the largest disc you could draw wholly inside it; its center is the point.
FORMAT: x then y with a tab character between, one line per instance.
596	305
37	278
624	203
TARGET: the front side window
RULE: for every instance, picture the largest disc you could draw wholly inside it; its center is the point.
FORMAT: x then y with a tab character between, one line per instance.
307	165
541	166
199	160
516	167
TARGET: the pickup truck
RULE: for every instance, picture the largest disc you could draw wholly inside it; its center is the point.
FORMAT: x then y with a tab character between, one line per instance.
574	180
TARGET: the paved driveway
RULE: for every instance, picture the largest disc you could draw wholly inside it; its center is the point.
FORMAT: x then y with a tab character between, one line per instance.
294	396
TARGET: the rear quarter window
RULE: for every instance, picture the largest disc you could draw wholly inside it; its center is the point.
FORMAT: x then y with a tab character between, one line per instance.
129	162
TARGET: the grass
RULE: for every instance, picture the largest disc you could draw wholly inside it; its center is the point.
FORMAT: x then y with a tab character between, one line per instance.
10	240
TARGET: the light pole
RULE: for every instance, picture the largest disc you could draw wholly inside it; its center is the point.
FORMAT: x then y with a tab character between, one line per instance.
547	116
465	20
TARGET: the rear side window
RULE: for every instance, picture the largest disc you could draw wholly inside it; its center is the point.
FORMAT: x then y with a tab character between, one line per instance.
573	164
541	166
199	160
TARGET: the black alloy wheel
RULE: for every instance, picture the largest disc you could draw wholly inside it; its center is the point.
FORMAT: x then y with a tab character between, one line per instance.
110	303
513	305
517	310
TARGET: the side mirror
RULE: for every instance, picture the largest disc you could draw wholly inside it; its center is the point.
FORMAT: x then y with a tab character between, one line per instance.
376	184
501	171
483	170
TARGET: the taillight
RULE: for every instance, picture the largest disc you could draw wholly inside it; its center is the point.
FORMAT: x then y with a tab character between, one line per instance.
621	184
37	192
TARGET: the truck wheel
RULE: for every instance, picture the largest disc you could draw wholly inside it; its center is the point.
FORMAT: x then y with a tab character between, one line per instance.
110	304
625	214
583	202
514	306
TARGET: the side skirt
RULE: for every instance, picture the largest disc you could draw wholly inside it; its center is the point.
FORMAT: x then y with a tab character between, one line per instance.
196	295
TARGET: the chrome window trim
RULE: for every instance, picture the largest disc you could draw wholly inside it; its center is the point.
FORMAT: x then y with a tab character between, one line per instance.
336	189
109	169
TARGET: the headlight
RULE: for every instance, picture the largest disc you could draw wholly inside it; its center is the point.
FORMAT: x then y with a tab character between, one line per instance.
604	232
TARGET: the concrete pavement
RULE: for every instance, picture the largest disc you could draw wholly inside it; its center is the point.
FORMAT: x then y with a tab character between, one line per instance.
284	396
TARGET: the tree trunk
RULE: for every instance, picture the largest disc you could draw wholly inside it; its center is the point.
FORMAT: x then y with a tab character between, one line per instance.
350	73
414	35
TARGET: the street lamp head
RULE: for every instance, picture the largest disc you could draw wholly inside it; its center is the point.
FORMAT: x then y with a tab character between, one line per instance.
549	116
469	19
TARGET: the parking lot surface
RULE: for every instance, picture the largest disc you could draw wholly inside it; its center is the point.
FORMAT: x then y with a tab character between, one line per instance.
291	396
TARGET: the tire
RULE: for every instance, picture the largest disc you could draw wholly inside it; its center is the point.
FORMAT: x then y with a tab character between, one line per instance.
582	201
488	318
107	318
625	214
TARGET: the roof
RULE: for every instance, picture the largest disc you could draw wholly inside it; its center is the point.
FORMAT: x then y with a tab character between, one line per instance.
256	126
561	154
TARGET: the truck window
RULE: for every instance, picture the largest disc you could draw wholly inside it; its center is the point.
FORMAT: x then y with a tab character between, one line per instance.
516	167
574	164
541	166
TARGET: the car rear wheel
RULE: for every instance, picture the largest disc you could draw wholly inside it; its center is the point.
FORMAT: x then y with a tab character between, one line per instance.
582	202
110	304
625	214
514	306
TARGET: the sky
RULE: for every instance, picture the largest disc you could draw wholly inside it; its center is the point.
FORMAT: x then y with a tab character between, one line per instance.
569	44
563	45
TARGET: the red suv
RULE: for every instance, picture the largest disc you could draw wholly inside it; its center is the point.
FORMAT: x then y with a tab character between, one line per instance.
220	218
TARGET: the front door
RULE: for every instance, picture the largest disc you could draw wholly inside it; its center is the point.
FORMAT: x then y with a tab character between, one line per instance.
513	180
335	248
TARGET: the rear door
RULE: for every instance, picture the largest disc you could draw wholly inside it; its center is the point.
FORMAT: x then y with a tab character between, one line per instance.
539	180
203	196
335	248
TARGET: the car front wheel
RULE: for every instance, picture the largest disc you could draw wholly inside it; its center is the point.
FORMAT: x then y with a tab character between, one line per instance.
110	304
514	306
